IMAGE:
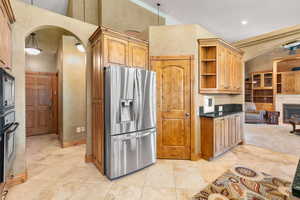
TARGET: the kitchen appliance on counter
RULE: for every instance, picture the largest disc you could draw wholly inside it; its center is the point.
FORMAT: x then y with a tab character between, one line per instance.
8	125
130	120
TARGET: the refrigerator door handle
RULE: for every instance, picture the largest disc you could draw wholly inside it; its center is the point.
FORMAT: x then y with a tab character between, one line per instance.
138	96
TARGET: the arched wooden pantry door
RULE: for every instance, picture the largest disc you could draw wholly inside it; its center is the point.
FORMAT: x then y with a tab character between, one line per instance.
173	106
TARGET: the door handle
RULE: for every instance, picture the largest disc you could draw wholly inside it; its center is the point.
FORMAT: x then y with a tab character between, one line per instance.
16	124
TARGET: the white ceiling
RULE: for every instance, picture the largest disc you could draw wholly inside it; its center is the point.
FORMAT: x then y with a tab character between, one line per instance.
223	17
58	6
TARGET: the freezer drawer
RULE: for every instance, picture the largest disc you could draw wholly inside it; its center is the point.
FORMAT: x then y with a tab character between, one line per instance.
130	152
147	148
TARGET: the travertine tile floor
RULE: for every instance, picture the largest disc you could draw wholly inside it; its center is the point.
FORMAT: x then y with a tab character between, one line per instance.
61	174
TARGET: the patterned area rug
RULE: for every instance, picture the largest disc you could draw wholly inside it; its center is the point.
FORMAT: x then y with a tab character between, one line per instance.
241	183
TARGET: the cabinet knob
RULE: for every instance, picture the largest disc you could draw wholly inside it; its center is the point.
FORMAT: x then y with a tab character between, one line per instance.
187	114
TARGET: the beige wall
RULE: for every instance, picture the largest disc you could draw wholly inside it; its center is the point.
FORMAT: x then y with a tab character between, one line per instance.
30	19
48	40
44	62
125	15
182	40
72	84
120	15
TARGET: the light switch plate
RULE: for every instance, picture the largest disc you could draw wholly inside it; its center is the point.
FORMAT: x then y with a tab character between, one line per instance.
78	129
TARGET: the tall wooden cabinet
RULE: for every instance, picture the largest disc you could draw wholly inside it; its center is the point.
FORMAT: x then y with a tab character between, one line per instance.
220	134
110	48
220	67
6	19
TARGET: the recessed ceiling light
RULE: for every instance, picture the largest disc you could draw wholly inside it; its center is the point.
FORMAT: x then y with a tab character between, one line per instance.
244	22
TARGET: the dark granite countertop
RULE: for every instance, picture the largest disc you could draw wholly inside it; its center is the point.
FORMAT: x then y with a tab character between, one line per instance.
219	114
228	109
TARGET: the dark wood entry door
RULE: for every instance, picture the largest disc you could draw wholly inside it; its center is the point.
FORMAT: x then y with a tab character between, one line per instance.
41	103
173	107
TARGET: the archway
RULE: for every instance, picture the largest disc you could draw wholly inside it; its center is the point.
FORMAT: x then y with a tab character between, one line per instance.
56	86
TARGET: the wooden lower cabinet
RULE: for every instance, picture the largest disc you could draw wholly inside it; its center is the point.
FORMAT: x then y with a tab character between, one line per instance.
218	135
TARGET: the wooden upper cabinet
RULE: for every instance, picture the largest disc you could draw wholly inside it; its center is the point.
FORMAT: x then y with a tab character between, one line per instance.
6	19
115	51
288	83
121	49
220	67
138	55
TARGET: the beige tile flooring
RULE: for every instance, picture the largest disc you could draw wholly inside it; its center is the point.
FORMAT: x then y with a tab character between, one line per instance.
61	174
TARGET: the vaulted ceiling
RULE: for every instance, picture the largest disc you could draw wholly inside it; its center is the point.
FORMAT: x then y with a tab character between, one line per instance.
224	17
221	17
58	6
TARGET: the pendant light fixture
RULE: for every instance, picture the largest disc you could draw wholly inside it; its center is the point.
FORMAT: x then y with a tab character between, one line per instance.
158	13
31	46
80	47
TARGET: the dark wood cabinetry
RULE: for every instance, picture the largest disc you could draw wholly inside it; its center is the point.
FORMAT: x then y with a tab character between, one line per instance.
218	135
6	19
110	48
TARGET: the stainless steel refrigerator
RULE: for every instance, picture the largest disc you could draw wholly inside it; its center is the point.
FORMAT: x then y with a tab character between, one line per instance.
130	120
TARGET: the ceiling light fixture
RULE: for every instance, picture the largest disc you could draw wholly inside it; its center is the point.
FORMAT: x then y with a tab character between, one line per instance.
32	47
244	22
80	47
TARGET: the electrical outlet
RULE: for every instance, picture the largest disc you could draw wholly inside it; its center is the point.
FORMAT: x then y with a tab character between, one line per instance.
78	129
220	108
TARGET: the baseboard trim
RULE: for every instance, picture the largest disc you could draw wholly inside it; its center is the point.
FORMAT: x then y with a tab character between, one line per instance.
89	158
73	143
17	179
195	157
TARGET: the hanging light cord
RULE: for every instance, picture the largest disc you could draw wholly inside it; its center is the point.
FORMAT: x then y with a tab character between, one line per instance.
158	13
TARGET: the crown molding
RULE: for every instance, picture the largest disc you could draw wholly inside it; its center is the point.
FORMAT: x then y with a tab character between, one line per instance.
9	10
274	35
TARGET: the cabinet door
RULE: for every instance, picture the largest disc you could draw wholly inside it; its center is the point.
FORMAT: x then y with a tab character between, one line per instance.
218	137
228	70
2	35
97	108
257	80
115	51
222	68
239	75
297	82
238	128
288	83
232	72
138	55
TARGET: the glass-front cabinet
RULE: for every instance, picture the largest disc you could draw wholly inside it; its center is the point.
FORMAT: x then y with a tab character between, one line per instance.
262	80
